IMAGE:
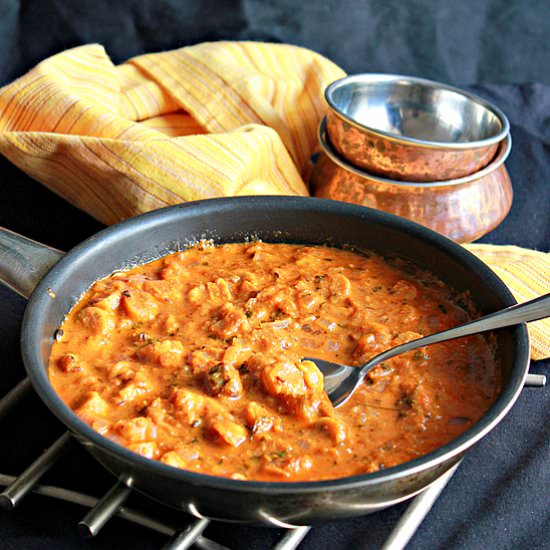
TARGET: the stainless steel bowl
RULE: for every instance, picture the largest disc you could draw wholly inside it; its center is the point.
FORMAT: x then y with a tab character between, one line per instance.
411	128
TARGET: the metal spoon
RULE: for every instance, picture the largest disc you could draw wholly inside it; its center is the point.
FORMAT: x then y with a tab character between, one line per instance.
341	381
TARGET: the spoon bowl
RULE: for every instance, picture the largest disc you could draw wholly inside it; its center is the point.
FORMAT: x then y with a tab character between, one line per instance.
341	381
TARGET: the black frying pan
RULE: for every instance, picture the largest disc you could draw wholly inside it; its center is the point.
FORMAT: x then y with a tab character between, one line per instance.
273	219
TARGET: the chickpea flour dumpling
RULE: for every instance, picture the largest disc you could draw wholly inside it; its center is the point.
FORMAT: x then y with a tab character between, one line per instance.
196	360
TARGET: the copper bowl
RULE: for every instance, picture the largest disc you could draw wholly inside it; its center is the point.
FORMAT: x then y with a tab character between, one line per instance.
463	209
412	129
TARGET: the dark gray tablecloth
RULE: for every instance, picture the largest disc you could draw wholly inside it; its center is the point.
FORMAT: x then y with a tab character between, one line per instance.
469	41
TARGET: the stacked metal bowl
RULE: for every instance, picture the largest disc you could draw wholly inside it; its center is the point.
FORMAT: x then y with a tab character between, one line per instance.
423	150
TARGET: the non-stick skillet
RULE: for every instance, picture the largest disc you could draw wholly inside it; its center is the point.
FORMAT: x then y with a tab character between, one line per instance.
276	219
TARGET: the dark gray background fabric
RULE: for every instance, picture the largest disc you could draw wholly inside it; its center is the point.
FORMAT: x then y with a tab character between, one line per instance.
461	42
500	496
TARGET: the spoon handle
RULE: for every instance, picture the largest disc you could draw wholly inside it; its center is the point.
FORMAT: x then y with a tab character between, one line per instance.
513	315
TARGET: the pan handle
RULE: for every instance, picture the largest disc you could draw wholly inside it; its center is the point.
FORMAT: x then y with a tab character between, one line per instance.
23	262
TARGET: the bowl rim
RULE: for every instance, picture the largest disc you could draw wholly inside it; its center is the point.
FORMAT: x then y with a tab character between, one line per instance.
443	145
35	311
504	148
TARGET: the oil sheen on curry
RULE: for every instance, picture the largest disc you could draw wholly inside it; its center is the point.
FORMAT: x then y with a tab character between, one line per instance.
196	360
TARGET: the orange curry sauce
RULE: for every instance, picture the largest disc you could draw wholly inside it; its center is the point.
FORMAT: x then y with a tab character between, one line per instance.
195	360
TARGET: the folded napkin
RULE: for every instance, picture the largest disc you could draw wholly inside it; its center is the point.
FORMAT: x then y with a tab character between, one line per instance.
216	119
527	275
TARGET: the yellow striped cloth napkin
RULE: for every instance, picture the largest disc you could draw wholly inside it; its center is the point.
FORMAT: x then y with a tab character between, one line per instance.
215	119
527	275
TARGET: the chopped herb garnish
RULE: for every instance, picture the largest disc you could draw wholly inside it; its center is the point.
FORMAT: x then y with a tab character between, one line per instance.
279	454
216	379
